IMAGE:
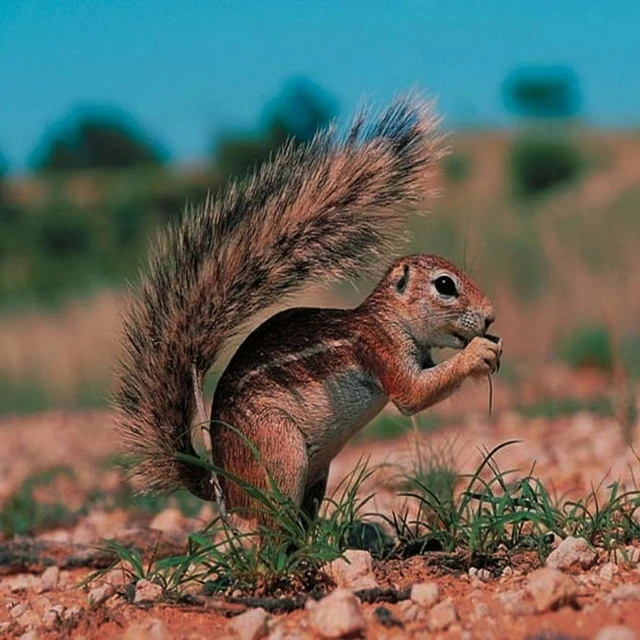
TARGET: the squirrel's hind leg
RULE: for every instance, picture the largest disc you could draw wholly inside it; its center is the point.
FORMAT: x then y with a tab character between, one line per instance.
279	454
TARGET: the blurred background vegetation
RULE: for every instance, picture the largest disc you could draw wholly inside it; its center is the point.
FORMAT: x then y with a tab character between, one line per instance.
544	216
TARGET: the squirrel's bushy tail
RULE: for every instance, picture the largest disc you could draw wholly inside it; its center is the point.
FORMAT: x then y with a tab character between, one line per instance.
318	211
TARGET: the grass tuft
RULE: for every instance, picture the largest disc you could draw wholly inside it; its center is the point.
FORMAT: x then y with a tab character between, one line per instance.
478	517
494	512
284	555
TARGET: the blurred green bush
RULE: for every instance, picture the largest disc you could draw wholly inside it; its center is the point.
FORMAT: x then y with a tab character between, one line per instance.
587	347
539	162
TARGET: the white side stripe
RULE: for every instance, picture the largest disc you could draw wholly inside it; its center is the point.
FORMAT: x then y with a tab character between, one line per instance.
295	357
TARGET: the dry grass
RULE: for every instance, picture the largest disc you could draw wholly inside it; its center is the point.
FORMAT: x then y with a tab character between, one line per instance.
63	351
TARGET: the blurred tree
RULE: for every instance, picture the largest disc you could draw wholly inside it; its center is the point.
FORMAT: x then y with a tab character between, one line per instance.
542	92
297	113
543	155
97	140
301	110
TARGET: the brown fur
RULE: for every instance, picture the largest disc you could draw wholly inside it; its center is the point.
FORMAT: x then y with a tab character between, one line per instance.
325	210
305	381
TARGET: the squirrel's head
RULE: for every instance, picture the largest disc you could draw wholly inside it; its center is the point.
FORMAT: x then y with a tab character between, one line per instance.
436	301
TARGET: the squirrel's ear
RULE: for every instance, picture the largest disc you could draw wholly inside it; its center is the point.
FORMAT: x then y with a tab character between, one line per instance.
403	280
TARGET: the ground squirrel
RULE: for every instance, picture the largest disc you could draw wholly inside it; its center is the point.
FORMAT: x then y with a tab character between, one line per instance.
306	380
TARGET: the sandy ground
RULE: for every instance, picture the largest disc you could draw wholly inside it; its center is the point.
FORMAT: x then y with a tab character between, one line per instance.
572	454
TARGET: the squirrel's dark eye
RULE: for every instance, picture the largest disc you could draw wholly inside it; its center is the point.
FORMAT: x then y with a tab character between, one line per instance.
445	286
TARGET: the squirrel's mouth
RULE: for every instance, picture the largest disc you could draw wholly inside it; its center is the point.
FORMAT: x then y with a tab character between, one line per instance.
464	342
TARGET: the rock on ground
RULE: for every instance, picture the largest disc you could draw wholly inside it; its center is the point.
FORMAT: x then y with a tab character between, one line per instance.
100	594
117	577
152	629
515	603
147	591
353	571
23	582
625	592
608	571
18	609
480	575
71	614
551	589
442	616
616	632
337	615
49	579
425	594
251	625
572	552
53	615
409	611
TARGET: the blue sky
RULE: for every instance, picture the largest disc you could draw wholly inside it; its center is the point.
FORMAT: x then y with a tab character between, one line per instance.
187	69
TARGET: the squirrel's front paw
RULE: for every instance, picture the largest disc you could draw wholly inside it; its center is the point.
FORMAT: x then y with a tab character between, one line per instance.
482	356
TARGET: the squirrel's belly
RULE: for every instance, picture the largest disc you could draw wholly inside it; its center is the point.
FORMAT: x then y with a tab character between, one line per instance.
329	412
